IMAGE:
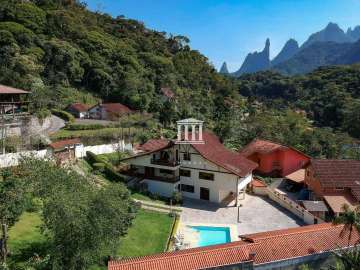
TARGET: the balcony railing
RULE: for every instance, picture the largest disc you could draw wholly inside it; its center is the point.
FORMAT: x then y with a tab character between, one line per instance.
164	162
167	179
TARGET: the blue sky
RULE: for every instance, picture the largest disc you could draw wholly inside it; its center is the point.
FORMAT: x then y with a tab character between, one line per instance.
226	30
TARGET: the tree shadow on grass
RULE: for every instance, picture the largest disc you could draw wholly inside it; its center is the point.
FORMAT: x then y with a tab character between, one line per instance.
23	254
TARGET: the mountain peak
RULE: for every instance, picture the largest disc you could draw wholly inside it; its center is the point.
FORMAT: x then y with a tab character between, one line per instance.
290	48
224	69
256	61
332	25
332	32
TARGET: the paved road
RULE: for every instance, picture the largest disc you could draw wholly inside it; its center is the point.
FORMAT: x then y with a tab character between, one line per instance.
56	124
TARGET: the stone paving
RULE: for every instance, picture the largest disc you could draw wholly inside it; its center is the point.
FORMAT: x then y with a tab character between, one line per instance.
257	214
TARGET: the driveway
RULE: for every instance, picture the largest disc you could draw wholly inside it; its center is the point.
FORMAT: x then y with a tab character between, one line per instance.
257	214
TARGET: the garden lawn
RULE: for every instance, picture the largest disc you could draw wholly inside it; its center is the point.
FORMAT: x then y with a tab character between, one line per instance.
25	238
148	234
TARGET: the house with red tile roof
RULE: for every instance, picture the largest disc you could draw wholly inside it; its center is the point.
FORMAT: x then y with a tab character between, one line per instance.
79	110
280	249
274	159
167	93
109	111
64	150
206	171
337	182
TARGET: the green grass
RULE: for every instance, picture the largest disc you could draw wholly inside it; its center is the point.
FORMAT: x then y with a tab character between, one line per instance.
111	132
142	197
148	234
25	238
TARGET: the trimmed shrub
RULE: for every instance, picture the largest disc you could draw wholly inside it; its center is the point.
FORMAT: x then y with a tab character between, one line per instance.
108	170
84	127
68	117
99	167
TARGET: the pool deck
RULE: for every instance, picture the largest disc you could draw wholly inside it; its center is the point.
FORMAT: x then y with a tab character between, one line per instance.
257	214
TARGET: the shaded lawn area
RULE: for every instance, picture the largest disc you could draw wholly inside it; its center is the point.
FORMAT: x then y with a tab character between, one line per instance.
148	234
25	238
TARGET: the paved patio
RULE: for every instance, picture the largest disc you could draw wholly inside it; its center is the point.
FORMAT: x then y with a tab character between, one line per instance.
257	214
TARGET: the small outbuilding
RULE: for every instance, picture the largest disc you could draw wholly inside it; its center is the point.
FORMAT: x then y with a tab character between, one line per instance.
109	111
78	110
65	151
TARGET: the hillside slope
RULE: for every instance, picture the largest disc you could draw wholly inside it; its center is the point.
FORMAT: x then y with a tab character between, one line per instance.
63	53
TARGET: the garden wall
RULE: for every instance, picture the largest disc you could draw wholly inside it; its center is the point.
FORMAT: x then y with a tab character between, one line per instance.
13	159
80	151
293	207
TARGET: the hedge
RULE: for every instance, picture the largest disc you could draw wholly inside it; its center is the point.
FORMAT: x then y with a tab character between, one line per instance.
109	171
91	126
84	127
68	117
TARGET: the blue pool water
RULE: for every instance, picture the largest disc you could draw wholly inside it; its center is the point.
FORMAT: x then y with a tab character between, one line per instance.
212	235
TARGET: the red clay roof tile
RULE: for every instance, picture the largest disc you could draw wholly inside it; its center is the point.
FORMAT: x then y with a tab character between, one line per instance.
214	151
64	143
79	107
338	174
154	145
116	108
267	247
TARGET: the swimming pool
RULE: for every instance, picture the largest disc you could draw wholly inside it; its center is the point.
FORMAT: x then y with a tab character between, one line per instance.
212	235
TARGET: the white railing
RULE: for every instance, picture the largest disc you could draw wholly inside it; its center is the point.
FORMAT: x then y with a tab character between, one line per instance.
293	206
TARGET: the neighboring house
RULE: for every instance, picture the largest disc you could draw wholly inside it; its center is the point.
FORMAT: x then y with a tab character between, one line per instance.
281	249
337	182
167	93
78	110
109	111
11	100
274	159
206	171
64	151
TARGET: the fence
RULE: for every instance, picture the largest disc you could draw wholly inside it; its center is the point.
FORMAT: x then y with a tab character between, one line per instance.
293	207
13	159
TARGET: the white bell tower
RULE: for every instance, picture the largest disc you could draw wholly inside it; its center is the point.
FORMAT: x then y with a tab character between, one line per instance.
190	125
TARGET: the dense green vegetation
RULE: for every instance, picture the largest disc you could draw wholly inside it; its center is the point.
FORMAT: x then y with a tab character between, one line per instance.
64	53
81	222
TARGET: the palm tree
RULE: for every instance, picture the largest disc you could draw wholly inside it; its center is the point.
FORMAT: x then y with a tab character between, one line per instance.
350	219
350	258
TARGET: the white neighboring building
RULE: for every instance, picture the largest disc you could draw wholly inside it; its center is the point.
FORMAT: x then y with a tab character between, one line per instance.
108	111
206	171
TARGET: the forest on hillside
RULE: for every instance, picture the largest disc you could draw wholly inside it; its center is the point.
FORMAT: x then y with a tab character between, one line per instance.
64	53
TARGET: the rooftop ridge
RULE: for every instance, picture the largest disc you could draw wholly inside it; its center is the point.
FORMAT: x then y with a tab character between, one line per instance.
187	252
291	231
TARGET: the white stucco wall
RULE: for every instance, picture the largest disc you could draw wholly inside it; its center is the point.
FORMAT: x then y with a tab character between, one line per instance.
80	150
13	159
224	181
161	188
